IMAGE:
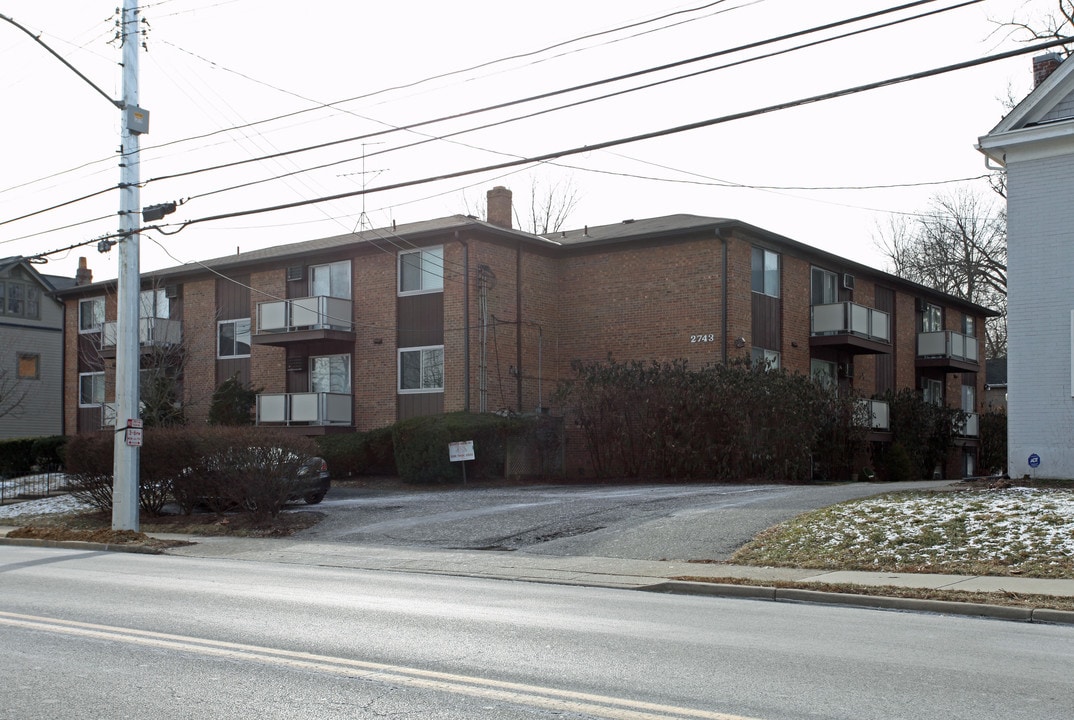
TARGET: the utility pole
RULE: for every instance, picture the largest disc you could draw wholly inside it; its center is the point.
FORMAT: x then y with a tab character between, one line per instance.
128	285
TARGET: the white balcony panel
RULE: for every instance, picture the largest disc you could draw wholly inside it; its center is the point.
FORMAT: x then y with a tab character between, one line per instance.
338	409
932	343
306	312
272	316
305	408
272	408
828	318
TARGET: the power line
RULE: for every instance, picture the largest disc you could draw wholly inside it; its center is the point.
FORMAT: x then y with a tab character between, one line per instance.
644	136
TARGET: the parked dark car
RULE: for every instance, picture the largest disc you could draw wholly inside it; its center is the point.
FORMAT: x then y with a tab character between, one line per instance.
313	481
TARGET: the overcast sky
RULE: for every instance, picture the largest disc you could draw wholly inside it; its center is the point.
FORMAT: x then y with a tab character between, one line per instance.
214	65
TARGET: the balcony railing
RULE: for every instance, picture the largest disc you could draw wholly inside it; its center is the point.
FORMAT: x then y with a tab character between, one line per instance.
309	313
947	344
847	318
877	414
151	331
308	408
969	428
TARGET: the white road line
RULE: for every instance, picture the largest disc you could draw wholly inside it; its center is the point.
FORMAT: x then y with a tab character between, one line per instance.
519	693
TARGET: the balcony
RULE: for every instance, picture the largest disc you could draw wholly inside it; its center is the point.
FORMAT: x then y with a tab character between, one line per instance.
283	322
850	327
950	351
877	414
307	408
152	332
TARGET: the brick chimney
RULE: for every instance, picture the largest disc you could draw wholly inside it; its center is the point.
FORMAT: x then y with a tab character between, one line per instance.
1043	66
499	207
83	276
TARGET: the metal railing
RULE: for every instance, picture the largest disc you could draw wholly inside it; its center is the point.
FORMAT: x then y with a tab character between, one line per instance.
30	487
947	344
151	331
308	408
853	319
319	312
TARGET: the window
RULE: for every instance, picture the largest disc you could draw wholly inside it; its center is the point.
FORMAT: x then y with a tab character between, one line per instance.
90	389
421	270
824	288
233	338
932	318
932	391
90	315
823	373
28	366
154	304
421	369
332	280
330	373
18	299
968	326
764	272
764	359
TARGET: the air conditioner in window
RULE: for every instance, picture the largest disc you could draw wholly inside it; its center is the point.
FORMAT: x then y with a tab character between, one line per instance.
171	291
294	273
846	370
848	281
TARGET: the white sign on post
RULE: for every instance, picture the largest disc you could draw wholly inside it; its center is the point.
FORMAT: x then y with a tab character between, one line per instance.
134	432
459	451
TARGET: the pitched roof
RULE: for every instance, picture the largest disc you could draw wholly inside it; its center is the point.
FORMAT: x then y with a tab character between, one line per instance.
1046	113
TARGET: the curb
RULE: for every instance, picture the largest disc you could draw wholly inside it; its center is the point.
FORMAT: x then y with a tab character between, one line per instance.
946	607
82	545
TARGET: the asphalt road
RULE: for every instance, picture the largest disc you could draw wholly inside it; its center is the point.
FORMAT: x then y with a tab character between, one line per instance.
90	635
645	522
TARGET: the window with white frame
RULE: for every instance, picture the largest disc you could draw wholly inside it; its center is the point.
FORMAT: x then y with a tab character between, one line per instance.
421	369
763	359
421	271
330	373
331	280
764	272
90	315
233	338
90	389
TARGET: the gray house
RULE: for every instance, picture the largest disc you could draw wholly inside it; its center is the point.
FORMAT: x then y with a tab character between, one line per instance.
31	351
1035	143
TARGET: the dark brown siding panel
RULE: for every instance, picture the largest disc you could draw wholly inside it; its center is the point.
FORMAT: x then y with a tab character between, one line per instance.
421	320
89	419
233	297
420	405
885	362
226	368
766	326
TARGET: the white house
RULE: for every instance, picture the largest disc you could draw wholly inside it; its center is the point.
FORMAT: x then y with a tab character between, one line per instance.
1035	143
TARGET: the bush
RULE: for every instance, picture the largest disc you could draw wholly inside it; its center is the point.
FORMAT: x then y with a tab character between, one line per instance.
352	454
89	464
251	468
16	457
897	466
993	458
421	446
233	403
48	451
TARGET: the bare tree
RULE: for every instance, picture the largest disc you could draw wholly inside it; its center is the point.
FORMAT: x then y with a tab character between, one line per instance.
1054	26
957	246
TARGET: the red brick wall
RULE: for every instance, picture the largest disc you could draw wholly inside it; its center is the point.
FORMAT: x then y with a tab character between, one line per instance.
199	335
374	376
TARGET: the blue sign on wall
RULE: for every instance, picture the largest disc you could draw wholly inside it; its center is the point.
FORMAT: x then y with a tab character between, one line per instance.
1034	460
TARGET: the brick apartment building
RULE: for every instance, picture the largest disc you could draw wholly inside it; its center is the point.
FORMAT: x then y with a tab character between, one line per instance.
358	331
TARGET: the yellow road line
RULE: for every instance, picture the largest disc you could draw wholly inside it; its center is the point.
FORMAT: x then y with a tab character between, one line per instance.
519	693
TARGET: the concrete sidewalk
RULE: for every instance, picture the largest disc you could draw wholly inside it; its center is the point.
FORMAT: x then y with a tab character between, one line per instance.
655	576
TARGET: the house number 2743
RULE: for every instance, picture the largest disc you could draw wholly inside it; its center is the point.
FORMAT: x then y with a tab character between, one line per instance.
703	337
